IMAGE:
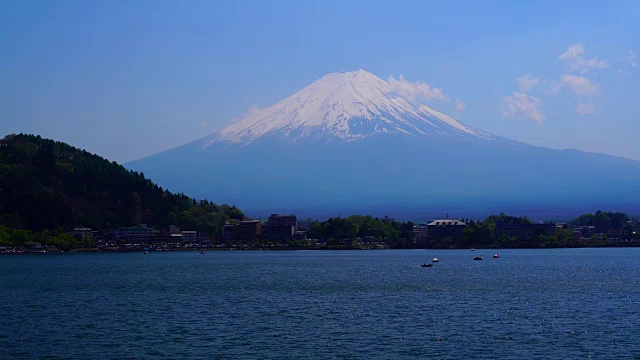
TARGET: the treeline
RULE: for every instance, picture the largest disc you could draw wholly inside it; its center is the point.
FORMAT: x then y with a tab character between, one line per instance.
603	221
338	232
47	188
342	231
484	235
49	185
27	239
607	227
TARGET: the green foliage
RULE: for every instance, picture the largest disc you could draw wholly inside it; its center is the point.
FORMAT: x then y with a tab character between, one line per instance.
64	241
602	221
479	234
506	219
340	231
583	220
47	185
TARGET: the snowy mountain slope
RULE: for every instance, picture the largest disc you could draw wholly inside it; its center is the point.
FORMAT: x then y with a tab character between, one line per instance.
345	106
349	143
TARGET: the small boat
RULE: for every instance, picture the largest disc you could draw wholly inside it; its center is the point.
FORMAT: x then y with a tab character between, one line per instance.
146	252
478	258
473	249
435	260
202	252
496	256
426	265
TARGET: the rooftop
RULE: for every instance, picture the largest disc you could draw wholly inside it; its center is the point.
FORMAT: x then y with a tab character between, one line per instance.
446	223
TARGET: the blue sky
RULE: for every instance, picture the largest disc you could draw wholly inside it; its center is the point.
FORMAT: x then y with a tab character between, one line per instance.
128	79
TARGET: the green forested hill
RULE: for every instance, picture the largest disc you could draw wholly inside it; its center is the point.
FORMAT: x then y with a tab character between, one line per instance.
45	184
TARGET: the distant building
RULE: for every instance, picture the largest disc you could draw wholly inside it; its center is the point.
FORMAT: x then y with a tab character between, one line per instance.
81	232
33	246
524	231
189	236
227	231
585	231
204	239
289	220
420	231
111	237
280	227
140	233
439	229
247	230
175	238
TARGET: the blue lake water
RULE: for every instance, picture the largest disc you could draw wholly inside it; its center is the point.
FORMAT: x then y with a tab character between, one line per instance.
551	304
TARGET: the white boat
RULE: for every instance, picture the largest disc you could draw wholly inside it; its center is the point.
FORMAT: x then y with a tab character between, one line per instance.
435	260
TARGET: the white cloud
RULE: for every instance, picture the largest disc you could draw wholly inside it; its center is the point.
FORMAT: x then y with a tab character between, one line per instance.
578	85
460	105
527	82
519	105
253	109
572	57
416	90
204	124
585	109
631	59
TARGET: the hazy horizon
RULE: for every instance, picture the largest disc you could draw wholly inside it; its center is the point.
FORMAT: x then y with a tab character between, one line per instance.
129	80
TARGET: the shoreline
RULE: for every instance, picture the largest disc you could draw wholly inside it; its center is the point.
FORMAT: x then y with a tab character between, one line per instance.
204	249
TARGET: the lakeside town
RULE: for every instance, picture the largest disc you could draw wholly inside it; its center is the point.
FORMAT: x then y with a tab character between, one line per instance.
288	232
63	198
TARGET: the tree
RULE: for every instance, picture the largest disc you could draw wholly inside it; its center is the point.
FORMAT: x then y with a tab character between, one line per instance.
602	222
19	237
64	241
315	230
46	184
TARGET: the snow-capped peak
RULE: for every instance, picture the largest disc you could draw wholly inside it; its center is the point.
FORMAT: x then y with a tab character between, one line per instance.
345	106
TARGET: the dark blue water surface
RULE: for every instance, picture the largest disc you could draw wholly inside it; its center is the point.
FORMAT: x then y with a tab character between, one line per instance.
551	304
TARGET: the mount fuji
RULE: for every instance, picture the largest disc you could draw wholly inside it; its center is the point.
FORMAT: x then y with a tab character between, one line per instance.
352	142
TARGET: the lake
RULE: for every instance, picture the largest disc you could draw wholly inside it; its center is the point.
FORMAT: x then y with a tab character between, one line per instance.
378	304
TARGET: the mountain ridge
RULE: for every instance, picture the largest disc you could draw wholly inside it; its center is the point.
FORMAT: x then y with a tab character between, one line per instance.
432	166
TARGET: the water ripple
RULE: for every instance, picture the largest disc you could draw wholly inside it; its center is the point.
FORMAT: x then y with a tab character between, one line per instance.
552	304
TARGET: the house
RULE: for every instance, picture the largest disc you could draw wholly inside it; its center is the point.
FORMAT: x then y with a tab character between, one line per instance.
439	229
